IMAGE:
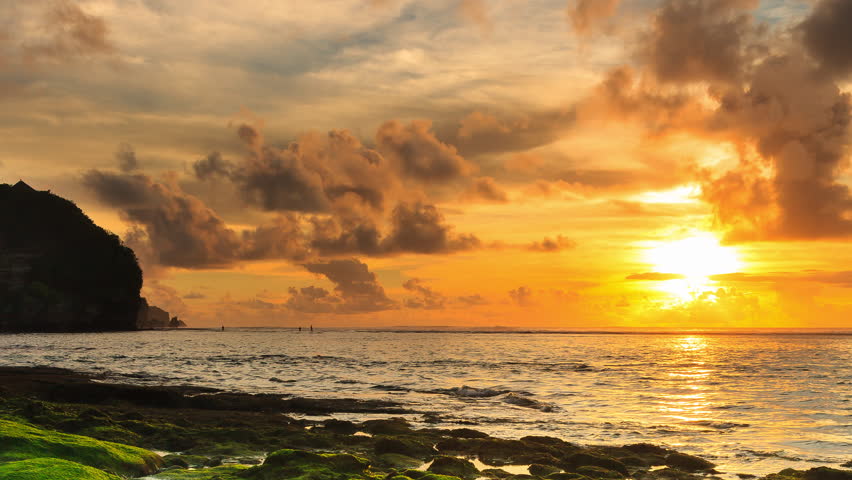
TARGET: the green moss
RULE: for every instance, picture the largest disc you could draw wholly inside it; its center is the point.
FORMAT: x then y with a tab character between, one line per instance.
396	460
299	464
456	467
52	468
228	472
21	442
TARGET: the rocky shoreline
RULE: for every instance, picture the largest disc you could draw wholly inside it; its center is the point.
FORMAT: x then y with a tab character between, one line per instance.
59	424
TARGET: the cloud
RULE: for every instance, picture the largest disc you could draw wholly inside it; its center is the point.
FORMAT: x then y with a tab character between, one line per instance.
655	276
420	228
788	121
476	11
521	296
586	16
212	165
426	297
828	33
179	230
67	32
419	154
126	158
485	189
357	289
472	300
194	296
701	40
556	244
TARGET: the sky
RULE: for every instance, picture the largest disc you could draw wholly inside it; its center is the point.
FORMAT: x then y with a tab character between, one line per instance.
473	163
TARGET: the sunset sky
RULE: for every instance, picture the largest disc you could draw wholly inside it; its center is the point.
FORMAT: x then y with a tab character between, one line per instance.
527	163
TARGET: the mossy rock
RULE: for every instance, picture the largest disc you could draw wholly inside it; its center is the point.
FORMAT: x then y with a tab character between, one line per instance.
228	472
566	476
582	459
827	473
540	470
398	461
390	426
689	463
299	464
52	468
593	471
455	467
404	446
19	441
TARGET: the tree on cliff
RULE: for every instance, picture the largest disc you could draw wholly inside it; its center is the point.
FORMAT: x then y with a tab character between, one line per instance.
58	270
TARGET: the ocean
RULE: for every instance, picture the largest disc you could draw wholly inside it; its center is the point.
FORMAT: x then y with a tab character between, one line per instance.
753	403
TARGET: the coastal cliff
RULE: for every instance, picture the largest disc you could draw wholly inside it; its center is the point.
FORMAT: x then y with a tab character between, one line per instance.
59	272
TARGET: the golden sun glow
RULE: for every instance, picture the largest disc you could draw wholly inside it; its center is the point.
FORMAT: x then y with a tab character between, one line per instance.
694	259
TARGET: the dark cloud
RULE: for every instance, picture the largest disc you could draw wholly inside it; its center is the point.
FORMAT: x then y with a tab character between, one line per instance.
587	15
485	189
828	35
419	154
420	228
522	296
655	276
356	286
68	32
313	300
316	174
212	165
194	296
471	300
480	133
701	40
788	121
426	297
555	244
799	122
179	230
126	158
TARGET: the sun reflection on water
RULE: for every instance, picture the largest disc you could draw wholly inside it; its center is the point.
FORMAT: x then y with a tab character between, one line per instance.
690	397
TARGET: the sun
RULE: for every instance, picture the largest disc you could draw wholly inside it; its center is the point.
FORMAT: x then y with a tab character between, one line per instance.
692	261
697	256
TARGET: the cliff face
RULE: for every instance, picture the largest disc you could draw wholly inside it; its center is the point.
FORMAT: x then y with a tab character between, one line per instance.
59	271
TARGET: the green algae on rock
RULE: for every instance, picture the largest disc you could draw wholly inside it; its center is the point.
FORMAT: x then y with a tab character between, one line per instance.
24	442
299	464
51	468
227	472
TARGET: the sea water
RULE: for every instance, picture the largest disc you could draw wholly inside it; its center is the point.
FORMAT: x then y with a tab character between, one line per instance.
753	403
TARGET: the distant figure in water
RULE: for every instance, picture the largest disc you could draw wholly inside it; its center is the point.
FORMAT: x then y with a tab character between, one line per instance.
312	328
300	329
223	328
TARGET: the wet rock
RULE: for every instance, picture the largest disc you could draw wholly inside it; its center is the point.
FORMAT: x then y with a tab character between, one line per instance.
466	433
575	461
566	476
592	471
342	427
456	467
540	470
495	473
847	464
390	426
403	446
398	461
827	473
647	448
688	463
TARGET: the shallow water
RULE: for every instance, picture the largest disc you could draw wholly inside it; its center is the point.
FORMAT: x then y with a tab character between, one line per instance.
751	403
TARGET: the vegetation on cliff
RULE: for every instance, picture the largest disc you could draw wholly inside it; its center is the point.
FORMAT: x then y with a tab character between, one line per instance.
58	270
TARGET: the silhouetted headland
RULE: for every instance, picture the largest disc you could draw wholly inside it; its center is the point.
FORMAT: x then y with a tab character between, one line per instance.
59	272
